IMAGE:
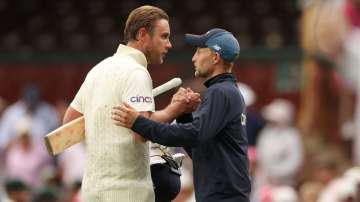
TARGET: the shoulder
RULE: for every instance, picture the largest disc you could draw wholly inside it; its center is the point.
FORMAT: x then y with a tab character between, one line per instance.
222	89
140	74
216	89
128	65
124	61
227	92
216	94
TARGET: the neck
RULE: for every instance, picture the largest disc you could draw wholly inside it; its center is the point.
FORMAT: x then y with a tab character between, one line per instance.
140	47
218	69
136	45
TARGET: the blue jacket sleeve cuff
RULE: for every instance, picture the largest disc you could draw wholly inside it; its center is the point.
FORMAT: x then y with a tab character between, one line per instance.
139	126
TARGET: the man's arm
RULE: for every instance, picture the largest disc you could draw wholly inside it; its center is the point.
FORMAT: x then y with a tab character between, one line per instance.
186	118
71	114
184	101
209	122
173	135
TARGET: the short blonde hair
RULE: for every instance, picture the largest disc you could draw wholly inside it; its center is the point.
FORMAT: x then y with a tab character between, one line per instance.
142	17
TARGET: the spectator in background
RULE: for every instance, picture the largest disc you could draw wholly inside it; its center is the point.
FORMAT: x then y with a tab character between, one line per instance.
25	157
319	111
284	194
350	69
354	174
352	13
279	149
309	191
18	191
339	190
75	192
323	168
43	115
46	195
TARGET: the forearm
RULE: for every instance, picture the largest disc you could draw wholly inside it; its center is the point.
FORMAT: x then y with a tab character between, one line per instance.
70	115
166	115
182	135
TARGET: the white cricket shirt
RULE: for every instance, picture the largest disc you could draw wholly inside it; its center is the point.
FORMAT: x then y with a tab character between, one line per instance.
117	166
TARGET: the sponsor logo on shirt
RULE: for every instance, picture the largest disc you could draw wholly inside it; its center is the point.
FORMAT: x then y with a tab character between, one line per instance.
139	99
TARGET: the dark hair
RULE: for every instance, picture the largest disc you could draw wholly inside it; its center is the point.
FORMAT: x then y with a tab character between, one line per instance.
15	185
144	16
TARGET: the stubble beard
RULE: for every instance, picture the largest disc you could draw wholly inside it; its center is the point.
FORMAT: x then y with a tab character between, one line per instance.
147	53
200	74
151	57
197	74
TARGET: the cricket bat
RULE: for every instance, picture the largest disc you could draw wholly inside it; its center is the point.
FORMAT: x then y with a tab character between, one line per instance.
74	132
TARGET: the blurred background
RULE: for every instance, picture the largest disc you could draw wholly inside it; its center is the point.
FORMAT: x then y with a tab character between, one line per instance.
298	71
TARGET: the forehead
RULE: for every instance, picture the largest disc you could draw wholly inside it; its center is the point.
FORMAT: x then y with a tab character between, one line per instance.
162	26
203	50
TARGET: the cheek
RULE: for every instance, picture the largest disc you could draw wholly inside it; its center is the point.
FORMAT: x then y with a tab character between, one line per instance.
205	63
157	45
153	48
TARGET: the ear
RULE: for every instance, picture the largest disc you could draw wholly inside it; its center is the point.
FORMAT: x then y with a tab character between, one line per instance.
216	58
142	34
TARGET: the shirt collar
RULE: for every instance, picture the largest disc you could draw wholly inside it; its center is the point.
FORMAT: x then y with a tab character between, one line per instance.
134	53
219	78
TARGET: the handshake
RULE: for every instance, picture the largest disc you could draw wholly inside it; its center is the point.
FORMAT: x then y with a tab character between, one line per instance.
183	101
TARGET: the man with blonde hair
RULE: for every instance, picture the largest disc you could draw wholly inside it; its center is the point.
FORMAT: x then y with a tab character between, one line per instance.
117	164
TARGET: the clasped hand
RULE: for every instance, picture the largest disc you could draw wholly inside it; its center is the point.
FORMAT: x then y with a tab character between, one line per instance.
183	101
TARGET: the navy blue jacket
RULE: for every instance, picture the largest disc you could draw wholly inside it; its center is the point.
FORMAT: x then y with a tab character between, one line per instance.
215	139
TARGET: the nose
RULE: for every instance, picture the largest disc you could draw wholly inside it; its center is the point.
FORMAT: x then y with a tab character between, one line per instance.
168	45
193	58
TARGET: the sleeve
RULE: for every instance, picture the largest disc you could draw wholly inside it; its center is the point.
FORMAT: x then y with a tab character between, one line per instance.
185	118
138	91
210	121
79	101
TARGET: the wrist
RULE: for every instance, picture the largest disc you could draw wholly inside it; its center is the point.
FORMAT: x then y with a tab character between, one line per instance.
134	126
173	110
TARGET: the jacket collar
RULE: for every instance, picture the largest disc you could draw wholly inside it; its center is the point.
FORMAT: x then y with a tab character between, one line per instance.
220	78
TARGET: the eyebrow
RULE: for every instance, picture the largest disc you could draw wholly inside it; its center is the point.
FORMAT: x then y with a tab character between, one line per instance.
166	34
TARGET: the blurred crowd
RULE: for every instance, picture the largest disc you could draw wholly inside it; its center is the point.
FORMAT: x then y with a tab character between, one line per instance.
28	172
306	152
70	25
280	166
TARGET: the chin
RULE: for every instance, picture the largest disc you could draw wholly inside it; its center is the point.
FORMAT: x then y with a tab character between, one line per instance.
156	62
197	74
